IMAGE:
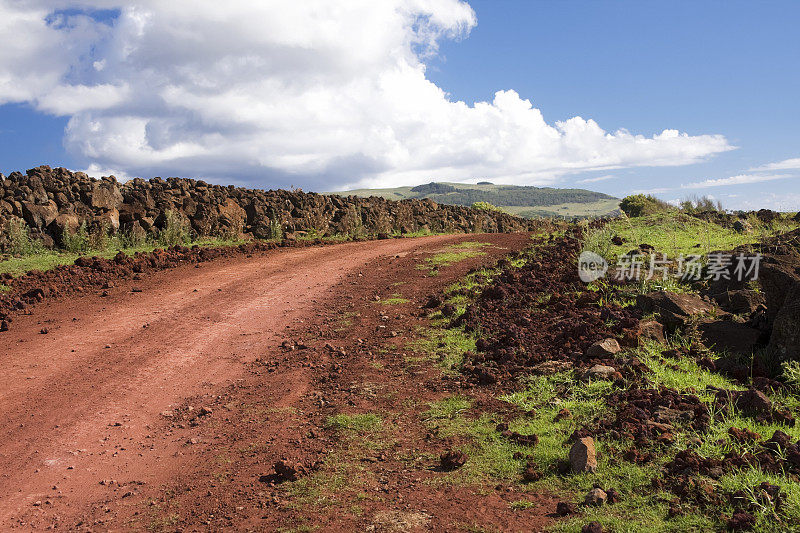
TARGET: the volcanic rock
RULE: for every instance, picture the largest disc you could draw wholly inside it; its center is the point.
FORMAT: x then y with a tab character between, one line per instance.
592	527
741	521
604	348
600	372
786	329
740	301
673	308
566	509
288	471
652	330
596	497
582	456
452	459
531	472
753	402
726	335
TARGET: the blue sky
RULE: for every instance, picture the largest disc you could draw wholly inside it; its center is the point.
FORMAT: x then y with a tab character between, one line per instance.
705	69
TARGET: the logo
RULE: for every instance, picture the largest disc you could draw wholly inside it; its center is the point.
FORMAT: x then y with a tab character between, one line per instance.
591	267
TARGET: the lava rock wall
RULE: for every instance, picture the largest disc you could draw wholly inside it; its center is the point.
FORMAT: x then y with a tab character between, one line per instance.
54	200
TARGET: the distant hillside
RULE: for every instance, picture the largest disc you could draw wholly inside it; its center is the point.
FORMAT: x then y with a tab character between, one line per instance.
526	202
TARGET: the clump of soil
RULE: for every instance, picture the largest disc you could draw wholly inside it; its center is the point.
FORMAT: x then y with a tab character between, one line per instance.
452	460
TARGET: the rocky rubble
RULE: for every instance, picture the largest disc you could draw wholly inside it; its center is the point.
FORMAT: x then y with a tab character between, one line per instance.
774	309
530	316
539	319
51	201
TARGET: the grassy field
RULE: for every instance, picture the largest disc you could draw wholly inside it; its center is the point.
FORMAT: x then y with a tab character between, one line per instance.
598	208
527	202
676	233
47	259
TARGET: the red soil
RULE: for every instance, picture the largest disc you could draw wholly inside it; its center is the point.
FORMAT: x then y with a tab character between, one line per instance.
166	401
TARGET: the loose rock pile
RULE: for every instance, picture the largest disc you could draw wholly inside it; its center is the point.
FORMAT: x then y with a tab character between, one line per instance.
51	201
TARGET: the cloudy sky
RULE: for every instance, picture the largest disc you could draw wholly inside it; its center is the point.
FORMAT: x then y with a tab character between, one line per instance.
672	98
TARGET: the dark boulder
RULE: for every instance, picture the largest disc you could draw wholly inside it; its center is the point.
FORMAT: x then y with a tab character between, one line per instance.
674	309
726	335
785	337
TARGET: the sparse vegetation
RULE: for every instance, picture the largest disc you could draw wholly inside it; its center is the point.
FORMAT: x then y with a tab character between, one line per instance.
701	204
18	239
175	230
454	253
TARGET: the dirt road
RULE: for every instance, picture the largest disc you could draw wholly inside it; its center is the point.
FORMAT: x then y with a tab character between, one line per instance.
97	391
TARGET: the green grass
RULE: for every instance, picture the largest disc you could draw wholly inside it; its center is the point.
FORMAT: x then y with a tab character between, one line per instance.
455	253
358	423
446	346
675	233
47	260
687	377
396	299
448	408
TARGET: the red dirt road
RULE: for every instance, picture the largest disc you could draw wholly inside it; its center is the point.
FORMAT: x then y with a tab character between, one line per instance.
84	405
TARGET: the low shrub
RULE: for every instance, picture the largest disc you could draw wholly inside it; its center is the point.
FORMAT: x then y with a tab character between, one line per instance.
639	205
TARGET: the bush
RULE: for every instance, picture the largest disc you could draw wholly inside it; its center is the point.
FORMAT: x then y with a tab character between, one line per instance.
175	231
133	238
486	206
98	237
18	239
700	205
77	242
641	205
791	374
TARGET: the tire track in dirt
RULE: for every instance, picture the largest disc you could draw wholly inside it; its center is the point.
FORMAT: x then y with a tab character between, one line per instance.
81	402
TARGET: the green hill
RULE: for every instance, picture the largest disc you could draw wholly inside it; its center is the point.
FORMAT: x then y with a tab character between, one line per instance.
524	201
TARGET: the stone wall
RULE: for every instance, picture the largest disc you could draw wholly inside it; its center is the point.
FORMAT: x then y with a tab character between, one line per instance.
54	200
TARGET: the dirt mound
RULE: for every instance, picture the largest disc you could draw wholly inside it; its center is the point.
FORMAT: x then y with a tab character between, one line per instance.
534	313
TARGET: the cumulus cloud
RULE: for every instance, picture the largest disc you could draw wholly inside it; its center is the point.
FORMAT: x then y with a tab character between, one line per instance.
314	93
786	164
740	179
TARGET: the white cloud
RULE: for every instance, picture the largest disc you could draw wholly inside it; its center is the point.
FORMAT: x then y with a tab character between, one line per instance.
96	171
317	93
74	99
786	164
786	202
741	179
597	179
